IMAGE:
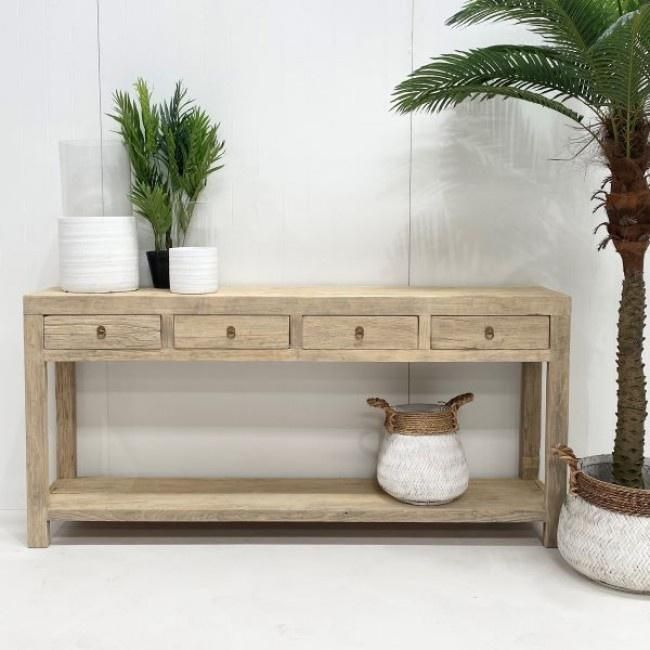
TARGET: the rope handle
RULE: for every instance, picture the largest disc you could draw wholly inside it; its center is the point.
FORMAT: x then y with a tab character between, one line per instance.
454	403
460	400
379	403
567	455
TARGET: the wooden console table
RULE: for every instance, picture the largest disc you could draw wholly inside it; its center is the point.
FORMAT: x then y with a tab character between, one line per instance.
347	324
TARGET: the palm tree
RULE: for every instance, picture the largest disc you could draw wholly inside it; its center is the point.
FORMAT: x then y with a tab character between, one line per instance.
593	67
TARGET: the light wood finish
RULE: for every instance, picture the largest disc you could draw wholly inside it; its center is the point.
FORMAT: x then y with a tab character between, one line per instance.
360	332
530	428
293	354
235	332
399	325
89	332
308	300
324	500
66	419
557	424
167	333
489	332
38	527
424	332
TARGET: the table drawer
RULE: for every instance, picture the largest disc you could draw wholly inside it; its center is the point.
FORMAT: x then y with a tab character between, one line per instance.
490	332
102	332
360	332
232	332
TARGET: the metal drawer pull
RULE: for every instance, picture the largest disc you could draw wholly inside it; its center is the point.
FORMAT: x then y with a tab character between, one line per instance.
358	332
231	332
101	332
489	332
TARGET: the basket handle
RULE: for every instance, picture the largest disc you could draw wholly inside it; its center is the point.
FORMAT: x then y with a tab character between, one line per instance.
379	403
567	455
456	402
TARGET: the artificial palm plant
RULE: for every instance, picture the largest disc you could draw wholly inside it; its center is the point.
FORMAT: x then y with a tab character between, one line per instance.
189	151
593	67
139	122
172	148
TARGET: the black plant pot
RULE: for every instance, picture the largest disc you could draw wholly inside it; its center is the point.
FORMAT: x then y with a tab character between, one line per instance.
159	267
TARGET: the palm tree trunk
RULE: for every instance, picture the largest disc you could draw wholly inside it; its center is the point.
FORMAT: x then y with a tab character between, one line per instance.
631	396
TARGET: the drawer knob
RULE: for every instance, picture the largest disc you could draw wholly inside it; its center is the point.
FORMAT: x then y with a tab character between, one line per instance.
358	333
101	332
489	332
231	332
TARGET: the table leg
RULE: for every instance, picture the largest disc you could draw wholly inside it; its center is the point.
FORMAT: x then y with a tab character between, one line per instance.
530	428
557	424
38	529
66	420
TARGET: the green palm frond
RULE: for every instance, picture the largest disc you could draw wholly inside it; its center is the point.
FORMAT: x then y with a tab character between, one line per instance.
138	125
621	67
189	150
149	117
621	59
201	150
537	74
172	112
449	97
173	148
574	24
152	203
596	52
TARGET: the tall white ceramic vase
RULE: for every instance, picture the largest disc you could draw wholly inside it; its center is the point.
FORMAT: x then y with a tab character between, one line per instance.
98	254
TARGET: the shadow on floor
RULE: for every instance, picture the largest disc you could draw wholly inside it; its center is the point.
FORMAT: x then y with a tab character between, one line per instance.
75	533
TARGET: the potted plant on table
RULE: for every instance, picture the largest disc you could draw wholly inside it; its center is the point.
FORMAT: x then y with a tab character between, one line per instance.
592	67
173	148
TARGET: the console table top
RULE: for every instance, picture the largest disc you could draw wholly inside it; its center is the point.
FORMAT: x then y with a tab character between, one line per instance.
518	299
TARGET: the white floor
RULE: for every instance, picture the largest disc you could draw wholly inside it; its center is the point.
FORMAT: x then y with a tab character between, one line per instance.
118	587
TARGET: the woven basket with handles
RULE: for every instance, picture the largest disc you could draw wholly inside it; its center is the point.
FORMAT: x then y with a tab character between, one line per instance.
604	528
421	460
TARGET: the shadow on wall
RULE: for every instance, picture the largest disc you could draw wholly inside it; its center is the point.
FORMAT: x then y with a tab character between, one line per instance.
237	419
489	204
498	199
279	419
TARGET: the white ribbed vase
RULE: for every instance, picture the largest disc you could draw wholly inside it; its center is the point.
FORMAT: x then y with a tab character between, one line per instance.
422	469
98	254
610	547
193	269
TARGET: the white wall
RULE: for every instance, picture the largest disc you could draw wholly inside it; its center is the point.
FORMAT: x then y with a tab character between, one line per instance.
321	185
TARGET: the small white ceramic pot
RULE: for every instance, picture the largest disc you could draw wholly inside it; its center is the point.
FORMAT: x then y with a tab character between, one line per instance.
610	547
193	269
98	254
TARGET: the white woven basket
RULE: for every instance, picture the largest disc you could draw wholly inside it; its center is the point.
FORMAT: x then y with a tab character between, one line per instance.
422	470
610	547
420	467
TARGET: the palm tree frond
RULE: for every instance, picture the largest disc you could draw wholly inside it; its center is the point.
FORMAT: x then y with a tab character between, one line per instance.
536	74
436	100
574	24
523	67
626	85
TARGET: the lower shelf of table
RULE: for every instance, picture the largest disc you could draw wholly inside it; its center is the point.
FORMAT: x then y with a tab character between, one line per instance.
288	500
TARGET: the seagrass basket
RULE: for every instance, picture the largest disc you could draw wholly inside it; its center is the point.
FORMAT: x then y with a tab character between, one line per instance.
421	460
604	528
